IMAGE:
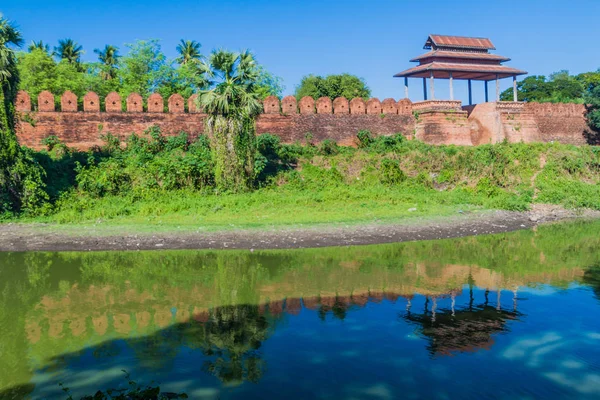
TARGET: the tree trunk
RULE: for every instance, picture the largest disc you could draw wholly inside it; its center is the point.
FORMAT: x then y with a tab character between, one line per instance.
233	142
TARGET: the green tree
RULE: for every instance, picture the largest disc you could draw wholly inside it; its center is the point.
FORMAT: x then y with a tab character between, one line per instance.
185	80
589	80
268	84
189	51
560	87
37	71
109	59
333	86
532	88
21	185
143	69
232	106
69	50
39	45
593	113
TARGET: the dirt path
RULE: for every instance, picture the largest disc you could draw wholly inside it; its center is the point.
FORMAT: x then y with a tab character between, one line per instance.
34	237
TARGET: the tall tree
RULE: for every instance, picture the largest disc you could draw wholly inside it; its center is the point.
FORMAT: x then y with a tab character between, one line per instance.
189	51
109	57
232	105
333	86
39	45
21	185
69	50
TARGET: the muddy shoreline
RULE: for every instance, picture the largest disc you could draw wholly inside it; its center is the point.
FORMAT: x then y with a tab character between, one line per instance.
39	237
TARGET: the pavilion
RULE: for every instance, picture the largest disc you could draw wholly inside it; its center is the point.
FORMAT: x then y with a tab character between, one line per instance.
459	57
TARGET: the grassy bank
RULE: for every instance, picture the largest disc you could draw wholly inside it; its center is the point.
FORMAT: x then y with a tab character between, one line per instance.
168	182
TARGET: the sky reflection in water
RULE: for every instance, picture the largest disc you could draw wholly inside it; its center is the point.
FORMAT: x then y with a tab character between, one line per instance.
503	316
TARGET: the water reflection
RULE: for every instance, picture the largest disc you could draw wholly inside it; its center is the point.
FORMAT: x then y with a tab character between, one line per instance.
459	328
219	319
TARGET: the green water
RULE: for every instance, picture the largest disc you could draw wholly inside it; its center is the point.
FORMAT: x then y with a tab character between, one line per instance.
502	316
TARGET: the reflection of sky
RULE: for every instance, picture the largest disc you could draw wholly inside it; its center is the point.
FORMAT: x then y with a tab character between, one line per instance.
552	352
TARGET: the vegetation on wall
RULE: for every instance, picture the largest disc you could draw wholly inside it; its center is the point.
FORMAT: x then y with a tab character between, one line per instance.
333	86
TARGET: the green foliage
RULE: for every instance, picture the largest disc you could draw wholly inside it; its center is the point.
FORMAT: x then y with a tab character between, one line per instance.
144	69
155	176
70	51
390	172
559	87
189	51
232	104
21	186
333	86
329	147
268	84
365	139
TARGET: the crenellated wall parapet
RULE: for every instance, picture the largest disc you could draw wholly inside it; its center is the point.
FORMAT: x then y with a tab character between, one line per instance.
135	103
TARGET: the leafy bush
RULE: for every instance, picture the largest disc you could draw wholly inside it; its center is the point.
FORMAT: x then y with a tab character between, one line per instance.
391	173
365	139
329	147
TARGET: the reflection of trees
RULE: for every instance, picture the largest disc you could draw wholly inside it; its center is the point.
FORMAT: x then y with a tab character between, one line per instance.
231	339
465	329
592	277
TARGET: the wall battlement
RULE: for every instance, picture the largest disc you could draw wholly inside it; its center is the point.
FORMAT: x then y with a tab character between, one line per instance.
81	124
134	103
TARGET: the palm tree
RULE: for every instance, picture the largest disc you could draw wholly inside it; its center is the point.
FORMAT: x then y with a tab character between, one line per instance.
9	78
189	51
39	45
109	57
232	105
69	50
9	36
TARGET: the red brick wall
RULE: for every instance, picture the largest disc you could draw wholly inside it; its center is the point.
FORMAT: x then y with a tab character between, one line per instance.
83	129
564	123
295	121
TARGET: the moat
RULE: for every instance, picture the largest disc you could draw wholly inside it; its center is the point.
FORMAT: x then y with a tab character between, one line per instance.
505	316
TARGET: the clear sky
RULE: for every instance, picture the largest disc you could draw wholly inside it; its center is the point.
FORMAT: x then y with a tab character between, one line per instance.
373	39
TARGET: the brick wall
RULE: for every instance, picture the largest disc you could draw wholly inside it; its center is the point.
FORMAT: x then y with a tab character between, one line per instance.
439	122
339	120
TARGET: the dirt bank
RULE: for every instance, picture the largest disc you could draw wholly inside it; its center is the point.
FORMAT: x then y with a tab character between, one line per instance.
46	237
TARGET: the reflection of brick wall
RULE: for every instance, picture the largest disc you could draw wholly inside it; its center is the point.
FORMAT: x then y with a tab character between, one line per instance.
438	122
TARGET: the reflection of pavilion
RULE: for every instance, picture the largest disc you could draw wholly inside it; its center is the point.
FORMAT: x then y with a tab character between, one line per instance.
467	329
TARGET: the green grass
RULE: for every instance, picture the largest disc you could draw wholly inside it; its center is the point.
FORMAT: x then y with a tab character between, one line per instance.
265	208
159	184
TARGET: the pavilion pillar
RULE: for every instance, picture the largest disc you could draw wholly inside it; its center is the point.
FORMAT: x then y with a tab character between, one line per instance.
515	97
424	89
406	87
470	93
451	88
431	88
487	98
497	88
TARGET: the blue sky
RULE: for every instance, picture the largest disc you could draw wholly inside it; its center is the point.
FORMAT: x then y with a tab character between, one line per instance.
373	39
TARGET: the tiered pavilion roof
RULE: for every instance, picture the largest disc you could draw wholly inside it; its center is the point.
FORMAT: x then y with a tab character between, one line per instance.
459	57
